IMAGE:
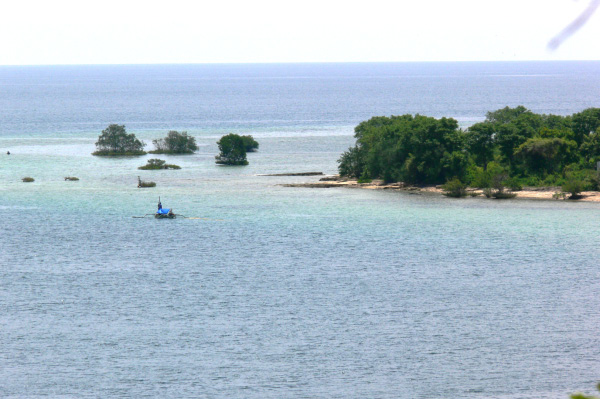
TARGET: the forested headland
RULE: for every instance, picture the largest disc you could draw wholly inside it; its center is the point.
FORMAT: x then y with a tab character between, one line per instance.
515	145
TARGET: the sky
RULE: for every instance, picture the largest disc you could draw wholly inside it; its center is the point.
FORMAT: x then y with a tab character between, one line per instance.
262	31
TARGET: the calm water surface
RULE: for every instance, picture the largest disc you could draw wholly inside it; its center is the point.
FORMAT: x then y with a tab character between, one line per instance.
282	292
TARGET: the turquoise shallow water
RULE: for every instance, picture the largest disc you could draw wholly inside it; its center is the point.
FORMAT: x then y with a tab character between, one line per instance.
282	292
289	292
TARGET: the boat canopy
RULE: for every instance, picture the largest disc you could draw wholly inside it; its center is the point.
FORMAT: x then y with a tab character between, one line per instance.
163	211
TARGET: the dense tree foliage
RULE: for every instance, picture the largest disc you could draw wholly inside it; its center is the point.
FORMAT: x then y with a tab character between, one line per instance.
114	140
175	143
250	144
232	150
524	147
585	123
416	149
352	163
481	143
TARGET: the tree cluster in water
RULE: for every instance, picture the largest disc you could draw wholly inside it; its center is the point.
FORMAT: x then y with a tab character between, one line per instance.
524	147
175	143
115	140
232	150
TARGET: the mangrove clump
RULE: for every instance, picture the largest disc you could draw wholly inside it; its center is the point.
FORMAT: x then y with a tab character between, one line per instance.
232	150
574	187
114	141
155	164
455	188
175	143
145	184
250	144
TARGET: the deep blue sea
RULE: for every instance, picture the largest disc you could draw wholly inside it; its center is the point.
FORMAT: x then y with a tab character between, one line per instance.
278	292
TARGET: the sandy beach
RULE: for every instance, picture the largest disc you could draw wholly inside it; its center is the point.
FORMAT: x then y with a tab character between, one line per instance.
532	193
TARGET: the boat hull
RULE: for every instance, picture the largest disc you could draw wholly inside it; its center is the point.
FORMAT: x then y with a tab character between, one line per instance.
164	216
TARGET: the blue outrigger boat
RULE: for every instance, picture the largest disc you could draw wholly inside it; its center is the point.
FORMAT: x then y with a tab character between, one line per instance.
164	213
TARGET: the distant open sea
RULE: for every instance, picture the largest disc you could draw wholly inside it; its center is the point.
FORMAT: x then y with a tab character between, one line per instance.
282	292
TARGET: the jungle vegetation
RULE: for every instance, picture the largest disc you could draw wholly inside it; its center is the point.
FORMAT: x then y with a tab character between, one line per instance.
511	148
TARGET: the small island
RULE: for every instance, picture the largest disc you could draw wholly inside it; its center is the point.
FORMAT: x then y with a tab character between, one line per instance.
114	141
145	184
514	153
512	148
156	164
232	150
175	143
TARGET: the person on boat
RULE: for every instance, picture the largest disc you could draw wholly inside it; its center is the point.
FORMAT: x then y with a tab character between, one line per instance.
159	205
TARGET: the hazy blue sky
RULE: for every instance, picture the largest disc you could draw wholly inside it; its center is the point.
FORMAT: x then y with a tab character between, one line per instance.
181	31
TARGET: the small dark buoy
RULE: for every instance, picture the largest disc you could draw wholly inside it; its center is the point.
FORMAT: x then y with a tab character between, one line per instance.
7	152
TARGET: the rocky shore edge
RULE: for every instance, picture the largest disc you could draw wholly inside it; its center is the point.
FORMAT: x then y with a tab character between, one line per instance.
294	174
537	193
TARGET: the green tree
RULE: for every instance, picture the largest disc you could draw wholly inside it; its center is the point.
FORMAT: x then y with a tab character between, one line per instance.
413	149
455	188
351	163
545	155
590	149
585	123
506	114
232	150
573	186
481	143
557	122
114	140
250	144
175	143
508	138
485	178
528	124
519	125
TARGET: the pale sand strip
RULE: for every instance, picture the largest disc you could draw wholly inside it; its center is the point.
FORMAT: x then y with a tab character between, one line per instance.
537	193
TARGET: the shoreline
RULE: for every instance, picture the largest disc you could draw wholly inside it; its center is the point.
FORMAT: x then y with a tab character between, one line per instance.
528	193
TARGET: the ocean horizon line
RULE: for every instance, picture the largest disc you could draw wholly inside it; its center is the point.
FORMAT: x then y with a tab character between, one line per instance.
412	62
